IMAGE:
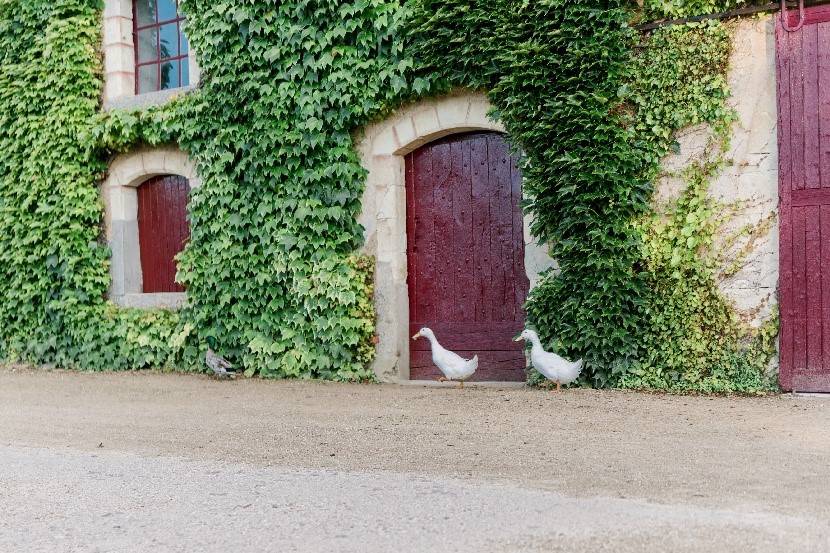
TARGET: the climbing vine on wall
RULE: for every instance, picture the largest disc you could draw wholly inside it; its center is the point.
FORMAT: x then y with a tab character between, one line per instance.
656	9
53	264
270	269
595	108
553	71
692	338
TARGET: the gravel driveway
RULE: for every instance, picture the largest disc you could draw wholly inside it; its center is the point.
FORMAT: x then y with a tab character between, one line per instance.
147	461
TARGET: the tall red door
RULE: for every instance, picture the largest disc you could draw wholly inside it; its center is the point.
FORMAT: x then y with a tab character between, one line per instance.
163	230
804	200
465	248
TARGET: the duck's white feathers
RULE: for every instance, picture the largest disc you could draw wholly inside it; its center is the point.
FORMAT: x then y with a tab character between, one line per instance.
452	365
552	366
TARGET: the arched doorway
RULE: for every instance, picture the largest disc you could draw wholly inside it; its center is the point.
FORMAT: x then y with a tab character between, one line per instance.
465	253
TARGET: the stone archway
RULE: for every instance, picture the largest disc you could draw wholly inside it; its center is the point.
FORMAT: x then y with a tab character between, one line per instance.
382	150
126	173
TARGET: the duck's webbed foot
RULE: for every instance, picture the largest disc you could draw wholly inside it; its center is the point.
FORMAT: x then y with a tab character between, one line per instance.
558	386
442	379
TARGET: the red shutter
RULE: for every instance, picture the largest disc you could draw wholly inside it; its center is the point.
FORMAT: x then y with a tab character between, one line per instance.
804	201
163	230
465	249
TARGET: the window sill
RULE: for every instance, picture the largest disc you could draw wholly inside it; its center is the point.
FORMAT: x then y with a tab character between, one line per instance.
172	300
149	99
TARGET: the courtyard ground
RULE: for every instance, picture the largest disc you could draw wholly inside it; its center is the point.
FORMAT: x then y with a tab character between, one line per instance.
173	463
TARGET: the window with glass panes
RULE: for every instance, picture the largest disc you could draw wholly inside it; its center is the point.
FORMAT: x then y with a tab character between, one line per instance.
161	49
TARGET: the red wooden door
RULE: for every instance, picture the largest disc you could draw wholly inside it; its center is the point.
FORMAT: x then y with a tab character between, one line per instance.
465	251
163	230
804	201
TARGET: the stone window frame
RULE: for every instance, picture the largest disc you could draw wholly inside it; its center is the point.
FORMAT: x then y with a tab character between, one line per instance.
120	62
120	190
382	150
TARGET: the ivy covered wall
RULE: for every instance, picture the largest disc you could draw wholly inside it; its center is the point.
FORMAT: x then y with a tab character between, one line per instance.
270	269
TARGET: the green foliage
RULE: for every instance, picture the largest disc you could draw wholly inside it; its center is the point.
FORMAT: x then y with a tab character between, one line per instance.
53	267
270	269
635	292
692	339
656	9
364	310
554	71
679	79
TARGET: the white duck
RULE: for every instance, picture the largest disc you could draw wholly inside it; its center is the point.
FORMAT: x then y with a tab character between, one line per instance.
454	367
554	367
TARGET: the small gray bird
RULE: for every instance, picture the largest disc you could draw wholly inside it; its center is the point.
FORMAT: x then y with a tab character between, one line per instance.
218	365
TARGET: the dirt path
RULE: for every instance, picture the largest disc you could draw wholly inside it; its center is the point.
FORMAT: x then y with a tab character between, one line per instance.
744	455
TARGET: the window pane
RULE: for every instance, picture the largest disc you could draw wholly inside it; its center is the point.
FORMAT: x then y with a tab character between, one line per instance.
167	10
145	12
148	45
170	75
148	78
169	40
185	45
185	71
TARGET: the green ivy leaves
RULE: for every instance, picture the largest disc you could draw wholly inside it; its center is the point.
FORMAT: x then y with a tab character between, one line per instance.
691	339
656	9
594	114
270	268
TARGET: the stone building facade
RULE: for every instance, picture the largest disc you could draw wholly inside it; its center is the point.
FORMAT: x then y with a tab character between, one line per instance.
749	182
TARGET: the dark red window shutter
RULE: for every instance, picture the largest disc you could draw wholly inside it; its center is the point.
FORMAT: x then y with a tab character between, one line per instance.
163	230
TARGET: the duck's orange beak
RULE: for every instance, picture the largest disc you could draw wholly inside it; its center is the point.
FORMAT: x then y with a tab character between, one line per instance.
418	335
518	338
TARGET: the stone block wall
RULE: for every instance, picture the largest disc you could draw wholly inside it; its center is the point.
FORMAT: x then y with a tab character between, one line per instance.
748	185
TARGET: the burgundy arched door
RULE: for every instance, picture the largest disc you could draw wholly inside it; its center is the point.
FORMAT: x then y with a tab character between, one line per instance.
465	249
163	230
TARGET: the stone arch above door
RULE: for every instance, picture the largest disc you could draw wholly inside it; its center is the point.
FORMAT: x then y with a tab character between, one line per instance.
382	150
126	173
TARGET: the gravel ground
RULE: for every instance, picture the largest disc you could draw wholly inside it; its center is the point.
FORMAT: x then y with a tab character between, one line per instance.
147	461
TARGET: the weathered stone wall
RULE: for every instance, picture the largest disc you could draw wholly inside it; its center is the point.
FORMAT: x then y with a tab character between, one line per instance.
127	172
748	185
752	177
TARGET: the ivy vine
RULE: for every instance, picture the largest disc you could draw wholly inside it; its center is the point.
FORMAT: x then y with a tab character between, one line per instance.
271	269
692	338
657	9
